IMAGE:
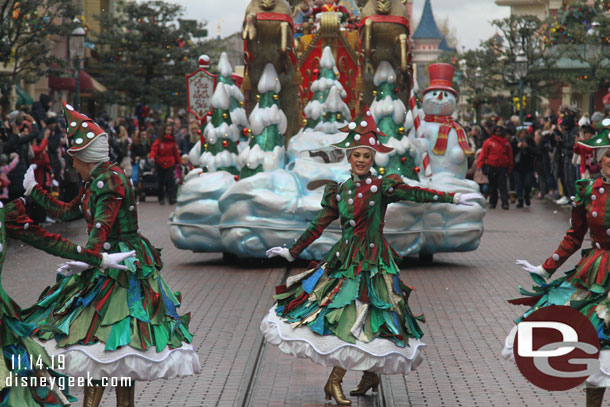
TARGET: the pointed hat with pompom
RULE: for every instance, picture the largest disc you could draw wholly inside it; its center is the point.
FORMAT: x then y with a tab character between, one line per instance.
81	129
602	139
363	133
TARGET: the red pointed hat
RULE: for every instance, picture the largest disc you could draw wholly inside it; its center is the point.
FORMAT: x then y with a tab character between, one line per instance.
81	129
441	77
363	133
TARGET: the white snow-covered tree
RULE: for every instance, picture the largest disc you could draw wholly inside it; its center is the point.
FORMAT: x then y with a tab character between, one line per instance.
268	122
238	119
326	110
390	114
236	101
221	135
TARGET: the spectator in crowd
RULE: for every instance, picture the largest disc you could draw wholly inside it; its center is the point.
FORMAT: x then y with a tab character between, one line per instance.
42	173
41	108
17	140
567	131
183	140
583	155
164	152
524	153
496	161
5	169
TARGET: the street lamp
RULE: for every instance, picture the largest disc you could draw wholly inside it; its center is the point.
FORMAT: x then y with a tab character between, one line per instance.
521	70
478	86
593	32
77	53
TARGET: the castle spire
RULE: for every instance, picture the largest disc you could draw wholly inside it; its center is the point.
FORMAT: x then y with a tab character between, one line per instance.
427	27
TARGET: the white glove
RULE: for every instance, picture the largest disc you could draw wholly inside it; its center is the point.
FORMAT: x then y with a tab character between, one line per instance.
467	199
29	182
112	260
108	261
279	251
530	268
72	267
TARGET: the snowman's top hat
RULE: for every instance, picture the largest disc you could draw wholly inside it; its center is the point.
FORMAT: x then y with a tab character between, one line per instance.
441	77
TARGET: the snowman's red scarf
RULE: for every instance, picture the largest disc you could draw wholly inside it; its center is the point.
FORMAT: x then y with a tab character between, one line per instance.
447	123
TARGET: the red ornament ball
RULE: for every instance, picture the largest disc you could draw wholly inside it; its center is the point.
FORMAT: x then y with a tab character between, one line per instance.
209	113
236	178
225	143
396	90
245	131
199	132
403	159
316	71
416	170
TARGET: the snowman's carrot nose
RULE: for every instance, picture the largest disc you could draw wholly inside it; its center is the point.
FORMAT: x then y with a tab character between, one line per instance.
440	95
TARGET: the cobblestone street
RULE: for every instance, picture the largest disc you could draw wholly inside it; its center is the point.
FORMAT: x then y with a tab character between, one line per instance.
462	295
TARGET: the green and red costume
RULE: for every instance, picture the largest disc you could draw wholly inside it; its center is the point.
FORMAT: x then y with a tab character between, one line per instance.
18	347
585	287
114	322
352	310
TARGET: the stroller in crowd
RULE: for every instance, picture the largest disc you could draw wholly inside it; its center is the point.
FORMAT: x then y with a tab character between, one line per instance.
145	180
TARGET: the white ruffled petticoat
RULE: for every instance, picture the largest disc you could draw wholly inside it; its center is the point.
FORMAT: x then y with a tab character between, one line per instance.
380	355
93	361
599	379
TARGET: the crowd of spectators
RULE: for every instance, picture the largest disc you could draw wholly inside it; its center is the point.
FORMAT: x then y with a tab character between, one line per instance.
139	145
540	158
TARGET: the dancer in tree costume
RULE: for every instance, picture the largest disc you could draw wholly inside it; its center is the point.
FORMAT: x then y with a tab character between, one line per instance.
351	311
121	323
586	287
19	349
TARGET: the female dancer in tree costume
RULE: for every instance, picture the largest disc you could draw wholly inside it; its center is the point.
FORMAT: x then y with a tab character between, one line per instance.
587	286
351	311
18	348
122	323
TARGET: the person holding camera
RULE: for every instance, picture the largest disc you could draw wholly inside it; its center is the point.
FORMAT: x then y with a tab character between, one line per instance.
524	149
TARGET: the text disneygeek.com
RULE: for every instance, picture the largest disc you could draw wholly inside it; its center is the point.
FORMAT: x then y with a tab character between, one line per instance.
63	382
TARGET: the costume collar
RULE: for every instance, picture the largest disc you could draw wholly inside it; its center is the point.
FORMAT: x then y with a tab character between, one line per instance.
605	180
99	169
357	178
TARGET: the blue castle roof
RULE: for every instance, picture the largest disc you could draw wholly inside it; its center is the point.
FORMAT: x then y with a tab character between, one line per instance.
427	26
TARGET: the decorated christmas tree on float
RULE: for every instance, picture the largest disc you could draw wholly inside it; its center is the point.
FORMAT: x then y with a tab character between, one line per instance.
320	111
267	124
389	113
219	151
236	100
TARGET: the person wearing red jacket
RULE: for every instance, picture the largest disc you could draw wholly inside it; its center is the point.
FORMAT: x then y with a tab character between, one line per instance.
496	159
164	152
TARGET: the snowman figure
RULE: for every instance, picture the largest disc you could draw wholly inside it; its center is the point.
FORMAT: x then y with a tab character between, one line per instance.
448	145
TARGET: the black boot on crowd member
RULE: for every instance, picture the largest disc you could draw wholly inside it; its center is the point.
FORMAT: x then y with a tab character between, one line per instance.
505	206
520	204
595	396
527	200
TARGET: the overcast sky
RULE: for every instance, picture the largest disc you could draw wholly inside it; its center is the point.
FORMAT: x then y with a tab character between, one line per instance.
470	18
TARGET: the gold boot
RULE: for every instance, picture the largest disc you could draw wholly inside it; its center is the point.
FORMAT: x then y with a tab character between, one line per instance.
369	380
333	387
93	396
595	395
125	396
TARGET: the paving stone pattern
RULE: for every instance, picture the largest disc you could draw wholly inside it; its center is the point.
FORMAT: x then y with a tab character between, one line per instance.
463	296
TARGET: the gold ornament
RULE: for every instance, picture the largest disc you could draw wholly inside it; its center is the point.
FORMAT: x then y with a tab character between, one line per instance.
241	104
205	146
374	93
304	122
258	97
381	170
401	129
224	115
338	116
275	97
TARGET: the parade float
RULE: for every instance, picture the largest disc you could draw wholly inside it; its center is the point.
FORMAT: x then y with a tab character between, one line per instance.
259	179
